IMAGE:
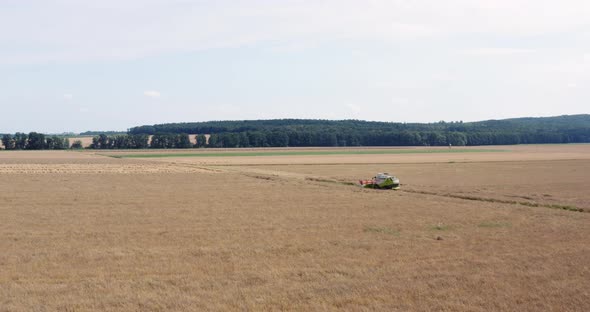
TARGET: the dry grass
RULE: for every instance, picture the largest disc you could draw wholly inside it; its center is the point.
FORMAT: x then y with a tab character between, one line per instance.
184	236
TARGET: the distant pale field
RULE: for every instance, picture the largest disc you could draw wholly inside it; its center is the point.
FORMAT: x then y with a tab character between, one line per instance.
86	140
84	232
392	155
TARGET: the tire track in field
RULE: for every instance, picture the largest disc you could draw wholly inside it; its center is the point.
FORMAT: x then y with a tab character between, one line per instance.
265	174
94	169
272	175
501	201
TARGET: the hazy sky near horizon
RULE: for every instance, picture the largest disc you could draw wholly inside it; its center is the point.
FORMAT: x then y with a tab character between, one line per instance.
75	65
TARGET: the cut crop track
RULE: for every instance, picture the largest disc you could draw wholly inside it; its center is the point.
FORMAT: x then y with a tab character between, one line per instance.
501	201
94	169
274	175
271	175
327	176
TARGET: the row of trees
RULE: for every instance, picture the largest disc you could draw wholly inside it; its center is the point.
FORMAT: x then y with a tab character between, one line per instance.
389	138
122	141
136	141
34	141
38	141
171	140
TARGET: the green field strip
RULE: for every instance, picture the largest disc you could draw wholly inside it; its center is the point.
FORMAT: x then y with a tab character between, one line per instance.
307	153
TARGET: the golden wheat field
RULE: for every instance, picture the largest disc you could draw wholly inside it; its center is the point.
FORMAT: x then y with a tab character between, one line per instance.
481	229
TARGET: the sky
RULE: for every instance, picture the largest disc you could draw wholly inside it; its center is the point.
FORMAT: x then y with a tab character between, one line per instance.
77	65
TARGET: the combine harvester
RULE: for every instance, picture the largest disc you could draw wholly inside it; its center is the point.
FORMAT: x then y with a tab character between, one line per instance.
383	181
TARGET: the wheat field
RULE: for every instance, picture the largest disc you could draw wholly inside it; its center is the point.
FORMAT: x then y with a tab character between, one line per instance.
505	231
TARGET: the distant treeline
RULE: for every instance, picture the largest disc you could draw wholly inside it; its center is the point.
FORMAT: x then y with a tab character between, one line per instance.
134	141
34	141
305	132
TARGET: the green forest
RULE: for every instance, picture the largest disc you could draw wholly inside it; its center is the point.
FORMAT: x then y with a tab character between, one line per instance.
306	132
312	132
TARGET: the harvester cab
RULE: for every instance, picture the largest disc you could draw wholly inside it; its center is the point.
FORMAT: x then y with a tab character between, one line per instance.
383	181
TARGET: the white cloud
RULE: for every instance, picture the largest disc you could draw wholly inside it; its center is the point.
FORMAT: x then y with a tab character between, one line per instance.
68	96
496	51
400	101
152	93
74	31
572	85
353	108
